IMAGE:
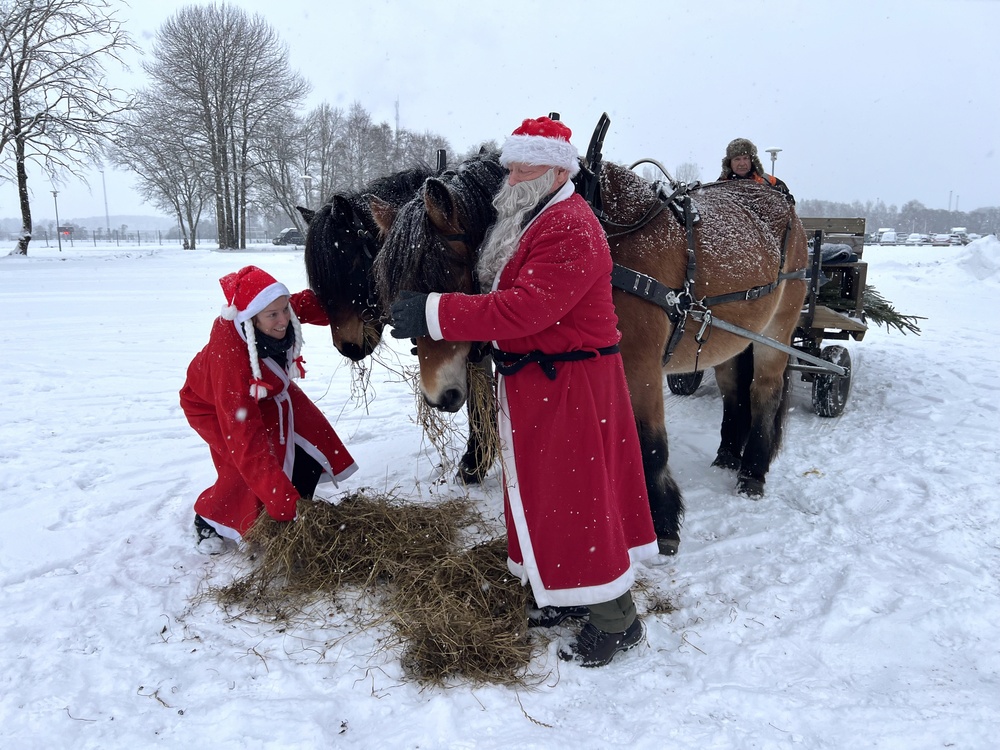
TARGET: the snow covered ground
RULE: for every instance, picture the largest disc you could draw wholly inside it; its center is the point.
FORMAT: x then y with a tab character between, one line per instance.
855	606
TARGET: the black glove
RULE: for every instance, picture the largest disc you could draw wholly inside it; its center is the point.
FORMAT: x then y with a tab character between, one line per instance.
408	317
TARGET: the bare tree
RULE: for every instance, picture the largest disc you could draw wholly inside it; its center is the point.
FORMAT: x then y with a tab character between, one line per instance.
170	169
688	172
326	126
57	108
282	170
229	73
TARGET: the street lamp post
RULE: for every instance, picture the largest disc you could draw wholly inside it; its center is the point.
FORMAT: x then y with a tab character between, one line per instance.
774	156
307	180
55	200
107	218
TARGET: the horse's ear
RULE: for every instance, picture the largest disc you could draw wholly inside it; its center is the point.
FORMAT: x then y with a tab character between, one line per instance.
307	213
439	204
384	213
342	207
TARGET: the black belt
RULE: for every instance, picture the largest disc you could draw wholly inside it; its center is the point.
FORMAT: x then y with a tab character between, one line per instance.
508	363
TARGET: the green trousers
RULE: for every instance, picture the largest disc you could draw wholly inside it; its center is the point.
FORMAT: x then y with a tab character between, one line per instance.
615	616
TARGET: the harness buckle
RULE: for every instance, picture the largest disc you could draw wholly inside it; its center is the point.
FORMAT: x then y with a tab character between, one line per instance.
706	322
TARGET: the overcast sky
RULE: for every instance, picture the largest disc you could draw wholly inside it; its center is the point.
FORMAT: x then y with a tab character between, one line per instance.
867	100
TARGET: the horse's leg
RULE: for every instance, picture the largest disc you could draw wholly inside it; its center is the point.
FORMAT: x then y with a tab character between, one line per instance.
481	448
769	405
665	502
643	337
733	378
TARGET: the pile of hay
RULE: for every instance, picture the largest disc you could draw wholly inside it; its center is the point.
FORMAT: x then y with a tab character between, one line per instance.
464	617
366	539
456	612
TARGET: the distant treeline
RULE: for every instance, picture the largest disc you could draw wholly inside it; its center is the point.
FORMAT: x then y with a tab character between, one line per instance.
912	217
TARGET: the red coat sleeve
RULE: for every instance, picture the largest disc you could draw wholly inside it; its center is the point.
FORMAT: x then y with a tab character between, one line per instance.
308	308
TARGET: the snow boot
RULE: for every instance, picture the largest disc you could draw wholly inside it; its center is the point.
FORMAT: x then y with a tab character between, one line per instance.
209	542
595	648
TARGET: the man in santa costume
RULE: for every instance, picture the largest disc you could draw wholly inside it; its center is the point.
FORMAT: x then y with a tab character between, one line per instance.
576	508
270	444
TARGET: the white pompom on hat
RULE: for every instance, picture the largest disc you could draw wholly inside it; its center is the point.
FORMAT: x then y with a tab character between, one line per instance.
541	142
248	291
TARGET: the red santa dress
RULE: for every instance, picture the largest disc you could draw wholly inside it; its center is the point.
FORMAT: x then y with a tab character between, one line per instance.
253	441
575	497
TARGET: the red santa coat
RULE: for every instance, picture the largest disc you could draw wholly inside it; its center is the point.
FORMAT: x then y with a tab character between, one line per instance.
253	442
575	497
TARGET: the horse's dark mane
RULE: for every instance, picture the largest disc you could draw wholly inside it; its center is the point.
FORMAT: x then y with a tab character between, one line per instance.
473	186
414	256
336	256
395	189
398	188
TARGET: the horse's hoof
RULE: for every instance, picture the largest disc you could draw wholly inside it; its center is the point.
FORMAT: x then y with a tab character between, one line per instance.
669	544
750	487
726	460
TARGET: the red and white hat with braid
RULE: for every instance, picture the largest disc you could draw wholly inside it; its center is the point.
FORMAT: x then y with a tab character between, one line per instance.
248	291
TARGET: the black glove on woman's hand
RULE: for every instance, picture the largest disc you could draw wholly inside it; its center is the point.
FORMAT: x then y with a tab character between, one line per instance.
408	317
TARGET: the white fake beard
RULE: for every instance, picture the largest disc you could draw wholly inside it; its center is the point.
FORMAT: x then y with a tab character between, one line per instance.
512	203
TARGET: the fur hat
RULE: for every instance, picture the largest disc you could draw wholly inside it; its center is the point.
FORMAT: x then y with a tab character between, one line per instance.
248	292
541	142
740	147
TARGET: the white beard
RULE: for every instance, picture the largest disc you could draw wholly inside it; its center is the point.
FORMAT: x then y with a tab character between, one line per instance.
512	203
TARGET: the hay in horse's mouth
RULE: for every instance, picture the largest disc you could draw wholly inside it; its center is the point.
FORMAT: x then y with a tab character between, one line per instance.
441	430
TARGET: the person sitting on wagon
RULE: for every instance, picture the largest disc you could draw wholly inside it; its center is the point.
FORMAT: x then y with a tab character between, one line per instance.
575	499
742	163
270	444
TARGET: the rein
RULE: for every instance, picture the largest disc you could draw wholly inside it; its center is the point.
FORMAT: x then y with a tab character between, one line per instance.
678	304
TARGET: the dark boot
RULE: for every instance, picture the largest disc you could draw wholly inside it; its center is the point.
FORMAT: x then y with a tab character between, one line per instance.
595	648
209	541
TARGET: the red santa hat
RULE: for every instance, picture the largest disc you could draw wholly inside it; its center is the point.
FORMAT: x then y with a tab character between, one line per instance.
541	142
248	292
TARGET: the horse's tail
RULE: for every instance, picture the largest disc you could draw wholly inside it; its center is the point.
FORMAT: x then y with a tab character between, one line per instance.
781	413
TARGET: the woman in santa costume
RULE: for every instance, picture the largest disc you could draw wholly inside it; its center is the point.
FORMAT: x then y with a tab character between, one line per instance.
576	507
270	444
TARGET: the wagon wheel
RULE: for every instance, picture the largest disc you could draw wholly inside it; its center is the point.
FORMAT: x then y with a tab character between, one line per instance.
830	391
686	383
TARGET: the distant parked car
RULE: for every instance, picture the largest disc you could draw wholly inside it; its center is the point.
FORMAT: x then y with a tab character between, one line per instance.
289	236
918	239
887	238
941	240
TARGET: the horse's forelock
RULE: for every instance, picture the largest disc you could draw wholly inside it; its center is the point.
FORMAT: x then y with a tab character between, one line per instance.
403	248
413	255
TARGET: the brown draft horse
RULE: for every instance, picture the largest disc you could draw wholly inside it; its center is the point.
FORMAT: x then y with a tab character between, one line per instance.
342	243
744	232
